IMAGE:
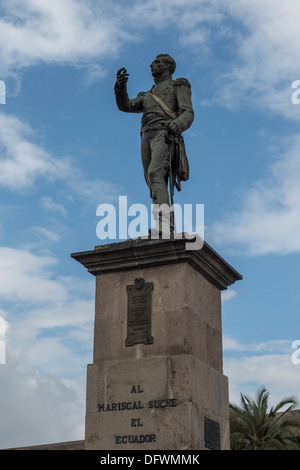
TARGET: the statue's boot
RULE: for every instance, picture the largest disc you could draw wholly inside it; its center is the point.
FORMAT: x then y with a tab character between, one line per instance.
164	226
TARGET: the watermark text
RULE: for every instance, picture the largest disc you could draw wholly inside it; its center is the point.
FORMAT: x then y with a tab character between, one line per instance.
296	354
122	221
296	95
2	92
2	352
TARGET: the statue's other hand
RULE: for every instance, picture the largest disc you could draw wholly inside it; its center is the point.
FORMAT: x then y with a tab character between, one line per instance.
172	128
122	77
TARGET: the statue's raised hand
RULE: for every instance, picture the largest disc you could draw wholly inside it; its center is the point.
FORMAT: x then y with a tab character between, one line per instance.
122	77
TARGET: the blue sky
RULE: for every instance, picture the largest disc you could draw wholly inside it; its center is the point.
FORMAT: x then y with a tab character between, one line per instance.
65	148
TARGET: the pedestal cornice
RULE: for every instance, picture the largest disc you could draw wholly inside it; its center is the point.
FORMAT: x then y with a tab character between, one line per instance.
146	252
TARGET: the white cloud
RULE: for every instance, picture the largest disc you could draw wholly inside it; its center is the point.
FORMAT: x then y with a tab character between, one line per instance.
48	328
185	15
268	220
269	363
32	279
21	160
263	37
94	192
72	313
57	31
228	294
27	277
46	234
230	344
43	307
264	65
266	57
46	354
275	371
48	204
39	408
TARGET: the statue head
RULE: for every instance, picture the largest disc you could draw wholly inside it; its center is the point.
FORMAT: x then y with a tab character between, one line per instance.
162	63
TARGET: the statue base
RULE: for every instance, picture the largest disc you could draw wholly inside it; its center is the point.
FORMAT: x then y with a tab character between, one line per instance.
156	382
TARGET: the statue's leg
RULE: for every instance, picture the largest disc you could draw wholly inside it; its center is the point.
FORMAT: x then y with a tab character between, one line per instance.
146	155
157	177
158	167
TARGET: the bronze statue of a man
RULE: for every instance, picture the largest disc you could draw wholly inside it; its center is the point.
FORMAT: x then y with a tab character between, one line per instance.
167	112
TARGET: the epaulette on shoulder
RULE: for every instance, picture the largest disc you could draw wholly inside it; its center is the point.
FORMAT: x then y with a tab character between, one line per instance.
182	81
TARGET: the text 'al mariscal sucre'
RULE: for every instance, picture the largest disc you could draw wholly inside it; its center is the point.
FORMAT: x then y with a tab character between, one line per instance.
135	423
137	405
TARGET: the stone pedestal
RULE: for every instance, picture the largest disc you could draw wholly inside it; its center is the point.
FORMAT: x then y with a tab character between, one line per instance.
156	382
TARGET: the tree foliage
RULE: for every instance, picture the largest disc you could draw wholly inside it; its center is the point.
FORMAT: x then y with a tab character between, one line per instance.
253	426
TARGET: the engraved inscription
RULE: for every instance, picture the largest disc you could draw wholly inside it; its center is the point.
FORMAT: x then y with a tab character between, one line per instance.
137	405
135	421
139	313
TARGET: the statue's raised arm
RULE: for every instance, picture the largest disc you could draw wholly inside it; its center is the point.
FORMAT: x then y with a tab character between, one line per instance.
122	78
122	98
